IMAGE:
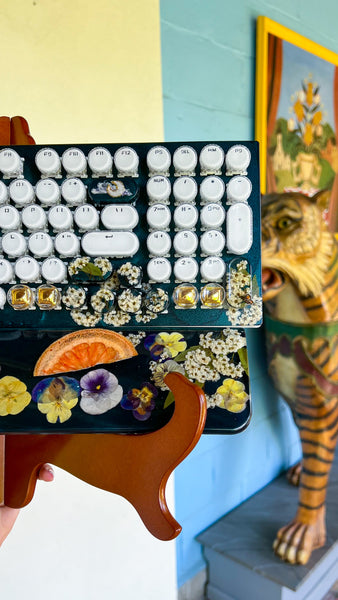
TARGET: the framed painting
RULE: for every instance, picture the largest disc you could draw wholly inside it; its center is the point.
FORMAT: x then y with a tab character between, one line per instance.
296	113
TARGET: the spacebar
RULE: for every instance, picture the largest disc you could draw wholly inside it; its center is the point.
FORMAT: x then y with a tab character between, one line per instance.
113	244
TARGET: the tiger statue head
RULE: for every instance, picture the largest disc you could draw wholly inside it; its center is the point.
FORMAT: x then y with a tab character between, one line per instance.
297	247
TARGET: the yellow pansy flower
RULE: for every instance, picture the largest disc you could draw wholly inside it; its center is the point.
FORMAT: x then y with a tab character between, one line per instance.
233	395
13	396
57	400
173	342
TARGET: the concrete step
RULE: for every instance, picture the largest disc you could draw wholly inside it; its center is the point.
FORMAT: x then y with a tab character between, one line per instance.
238	549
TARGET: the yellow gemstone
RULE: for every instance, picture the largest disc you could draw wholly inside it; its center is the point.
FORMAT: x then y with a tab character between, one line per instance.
185	296
213	295
20	297
48	297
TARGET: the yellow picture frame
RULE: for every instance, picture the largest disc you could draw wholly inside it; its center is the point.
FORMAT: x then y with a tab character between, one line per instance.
265	28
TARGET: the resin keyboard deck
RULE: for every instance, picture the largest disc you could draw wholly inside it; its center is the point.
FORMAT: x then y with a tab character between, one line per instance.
141	236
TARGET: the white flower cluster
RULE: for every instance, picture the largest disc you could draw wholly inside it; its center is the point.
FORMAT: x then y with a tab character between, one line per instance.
85	319
240	283
100	300
129	302
78	264
135	338
74	297
132	272
231	341
113	282
116	318
249	315
197	366
157	302
226	367
145	317
211	403
104	264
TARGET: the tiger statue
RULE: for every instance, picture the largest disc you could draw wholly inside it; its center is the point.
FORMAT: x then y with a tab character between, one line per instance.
300	291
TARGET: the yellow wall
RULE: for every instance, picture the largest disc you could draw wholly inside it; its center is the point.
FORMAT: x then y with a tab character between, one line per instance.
82	72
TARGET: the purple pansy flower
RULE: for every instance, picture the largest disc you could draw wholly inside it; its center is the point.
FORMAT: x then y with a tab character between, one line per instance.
151	344
140	401
100	392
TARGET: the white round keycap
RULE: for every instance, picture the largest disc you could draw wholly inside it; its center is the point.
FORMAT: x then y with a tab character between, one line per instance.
14	244
48	192
119	216
48	162
54	270
237	159
100	161
27	269
34	217
185	160
3	193
74	161
74	191
10	163
212	216
159	243
3	298
126	161
185	243
60	217
158	159
158	188
212	268
186	269
67	244
9	217
158	216
185	189
6	271
211	158
212	189
21	192
239	189
40	244
86	217
159	269
212	242
185	216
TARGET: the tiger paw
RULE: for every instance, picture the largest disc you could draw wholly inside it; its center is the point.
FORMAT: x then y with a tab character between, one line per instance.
293	474
294	542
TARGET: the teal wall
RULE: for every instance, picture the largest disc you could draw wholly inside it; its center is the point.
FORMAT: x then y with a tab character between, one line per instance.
208	64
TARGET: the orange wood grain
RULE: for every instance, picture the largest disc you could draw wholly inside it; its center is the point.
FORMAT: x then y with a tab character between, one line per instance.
136	467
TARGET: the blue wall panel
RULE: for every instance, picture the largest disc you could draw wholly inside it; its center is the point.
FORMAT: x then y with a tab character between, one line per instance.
208	65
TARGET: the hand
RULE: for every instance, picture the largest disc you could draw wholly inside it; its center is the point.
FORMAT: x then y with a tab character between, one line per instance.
9	515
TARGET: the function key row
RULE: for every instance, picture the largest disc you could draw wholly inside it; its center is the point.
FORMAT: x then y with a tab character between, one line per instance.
212	160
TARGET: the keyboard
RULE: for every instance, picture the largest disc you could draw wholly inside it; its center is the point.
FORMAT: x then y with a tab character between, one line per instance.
117	236
138	240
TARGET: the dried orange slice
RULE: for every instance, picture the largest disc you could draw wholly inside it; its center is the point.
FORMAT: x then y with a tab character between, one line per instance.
83	349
